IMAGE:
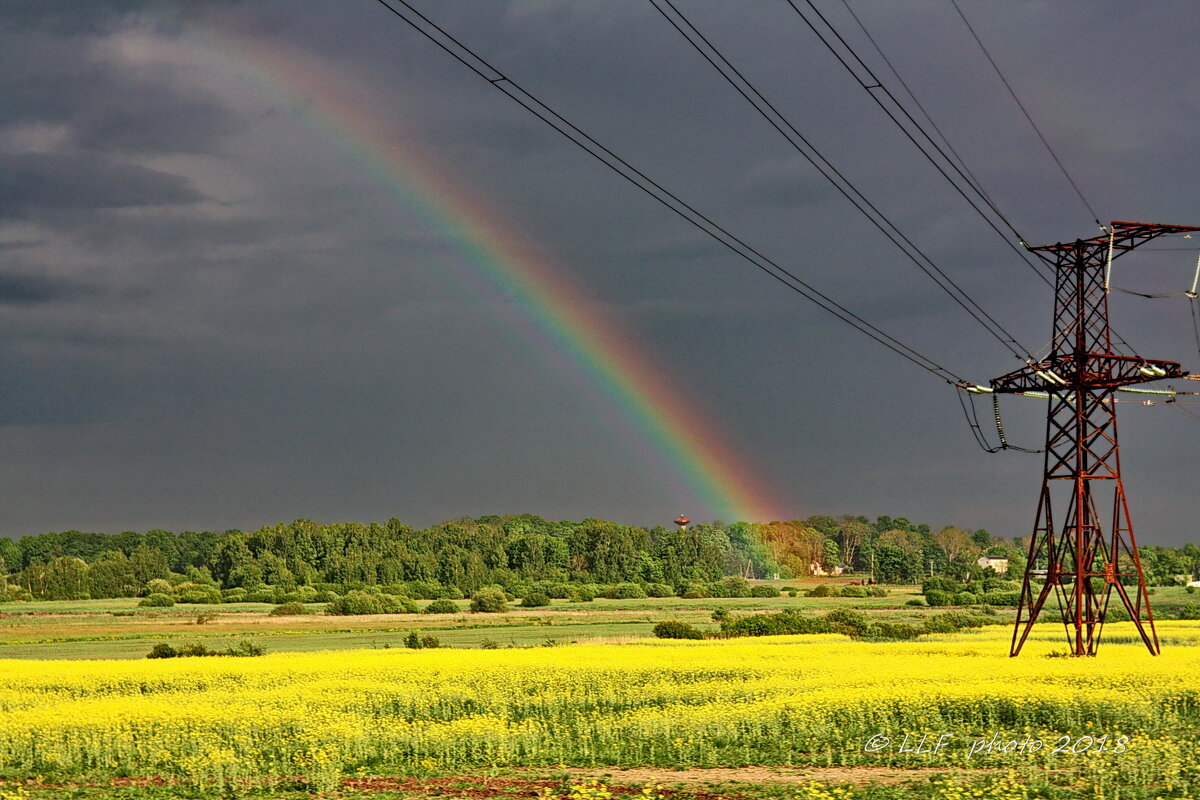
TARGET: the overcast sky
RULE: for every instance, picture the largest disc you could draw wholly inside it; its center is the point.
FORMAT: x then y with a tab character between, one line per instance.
217	310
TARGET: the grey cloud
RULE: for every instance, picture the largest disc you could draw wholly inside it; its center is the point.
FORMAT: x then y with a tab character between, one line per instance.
321	343
24	289
44	183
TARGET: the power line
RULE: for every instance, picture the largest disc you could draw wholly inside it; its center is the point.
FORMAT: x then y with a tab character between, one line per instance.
1025	111
481	67
876	83
712	54
872	82
975	182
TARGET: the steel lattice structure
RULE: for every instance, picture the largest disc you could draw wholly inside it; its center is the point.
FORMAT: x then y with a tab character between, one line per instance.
1078	562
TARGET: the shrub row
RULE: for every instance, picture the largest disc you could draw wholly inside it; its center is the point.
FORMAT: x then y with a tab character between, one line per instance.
845	621
191	649
825	590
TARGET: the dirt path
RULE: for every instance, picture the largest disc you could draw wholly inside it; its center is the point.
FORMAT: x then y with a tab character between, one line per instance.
761	775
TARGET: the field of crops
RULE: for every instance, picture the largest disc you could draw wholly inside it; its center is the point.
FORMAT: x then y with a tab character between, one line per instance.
1122	724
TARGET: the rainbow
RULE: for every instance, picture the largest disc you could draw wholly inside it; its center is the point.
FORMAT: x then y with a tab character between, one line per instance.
700	461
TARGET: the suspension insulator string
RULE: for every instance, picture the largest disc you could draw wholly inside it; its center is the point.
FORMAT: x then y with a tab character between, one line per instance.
999	424
1112	232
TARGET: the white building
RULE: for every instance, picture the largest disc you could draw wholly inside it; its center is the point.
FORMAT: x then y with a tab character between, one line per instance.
998	563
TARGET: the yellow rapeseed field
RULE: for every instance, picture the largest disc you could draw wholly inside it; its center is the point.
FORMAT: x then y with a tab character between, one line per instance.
821	700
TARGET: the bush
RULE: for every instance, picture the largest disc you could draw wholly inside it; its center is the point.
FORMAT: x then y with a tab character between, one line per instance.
489	601
490	644
938	598
823	590
413	641
876	591
944	585
535	600
764	590
854	591
582	594
442	607
199	649
624	591
243	649
730	587
999	598
916	601
206	595
355	603
1189	611
1190	589
792	593
292	609
673	629
847	621
951	621
559	591
693	591
424	590
897	631
157	600
781	623
965	599
397	604
301	594
694	594
158	586
14	594
430	642
659	590
161	650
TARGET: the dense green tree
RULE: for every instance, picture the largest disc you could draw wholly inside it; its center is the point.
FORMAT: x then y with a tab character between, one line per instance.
65	578
113	575
519	553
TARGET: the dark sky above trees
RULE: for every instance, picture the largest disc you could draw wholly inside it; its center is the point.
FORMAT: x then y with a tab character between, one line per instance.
214	314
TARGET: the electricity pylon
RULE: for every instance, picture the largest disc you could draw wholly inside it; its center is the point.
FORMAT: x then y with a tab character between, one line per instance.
1078	562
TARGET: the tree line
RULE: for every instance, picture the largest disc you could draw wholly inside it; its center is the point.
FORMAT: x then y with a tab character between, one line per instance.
465	555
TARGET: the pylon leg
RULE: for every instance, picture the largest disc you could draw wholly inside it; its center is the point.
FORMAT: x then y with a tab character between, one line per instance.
1041	545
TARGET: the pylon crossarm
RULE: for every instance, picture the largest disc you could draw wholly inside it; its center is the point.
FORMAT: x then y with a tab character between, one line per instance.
1095	371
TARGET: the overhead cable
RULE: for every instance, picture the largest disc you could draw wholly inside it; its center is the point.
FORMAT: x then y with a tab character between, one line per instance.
712	54
1028	116
872	82
477	64
930	149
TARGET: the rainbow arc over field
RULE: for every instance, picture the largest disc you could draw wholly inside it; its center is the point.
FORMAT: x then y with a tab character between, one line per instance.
325	100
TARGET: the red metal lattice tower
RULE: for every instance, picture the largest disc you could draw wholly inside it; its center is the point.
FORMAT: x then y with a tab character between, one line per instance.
1078	562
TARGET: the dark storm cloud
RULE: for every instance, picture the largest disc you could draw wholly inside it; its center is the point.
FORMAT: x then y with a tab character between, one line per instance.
36	183
65	17
784	183
104	107
24	289
315	341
